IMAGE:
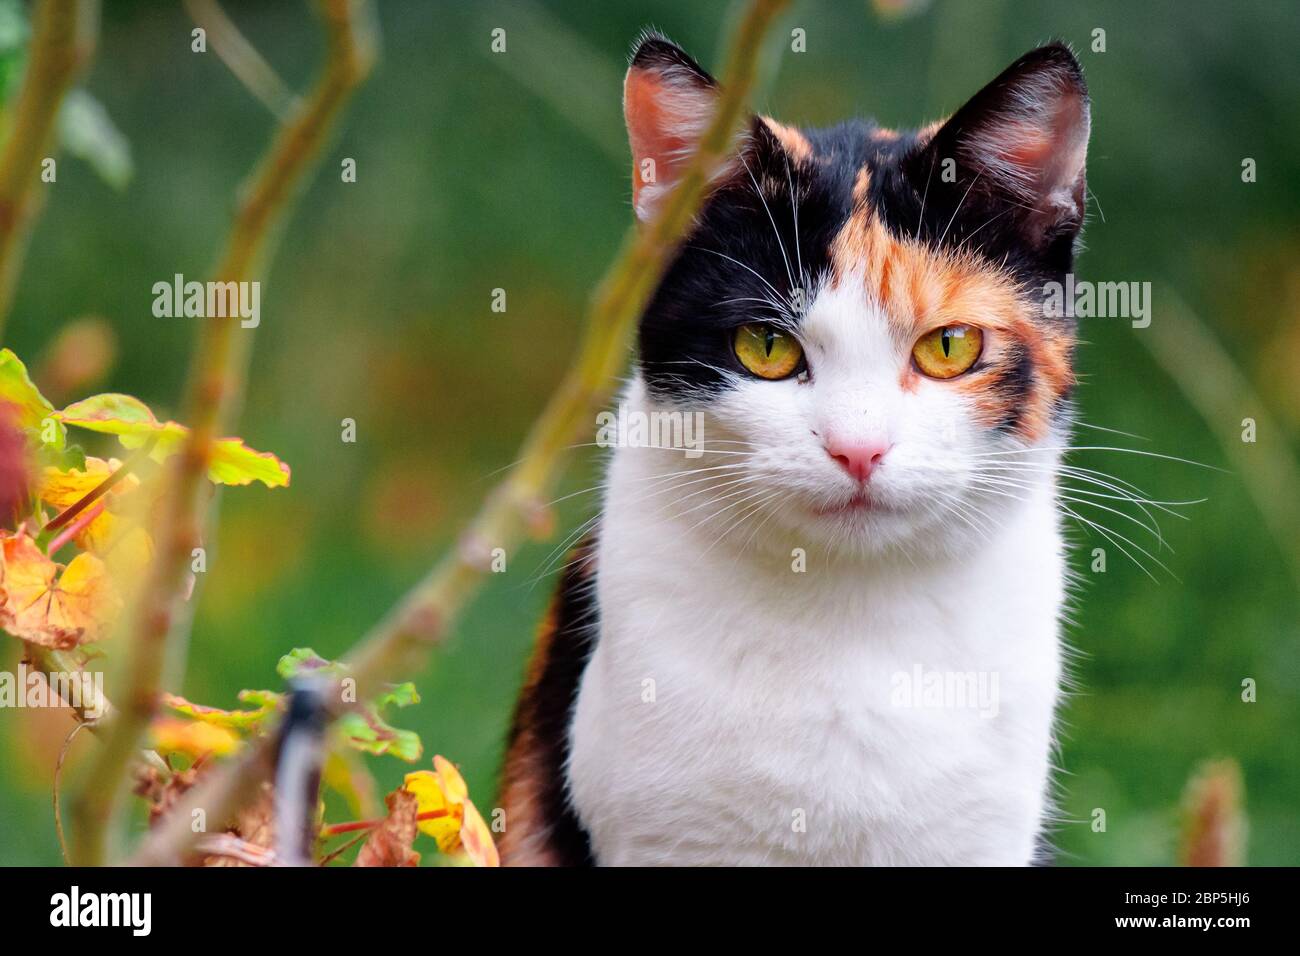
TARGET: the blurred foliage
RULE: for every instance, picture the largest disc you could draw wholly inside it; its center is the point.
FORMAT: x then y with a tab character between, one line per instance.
85	129
478	171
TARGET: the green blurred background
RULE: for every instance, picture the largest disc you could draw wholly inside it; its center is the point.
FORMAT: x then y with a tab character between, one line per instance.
478	171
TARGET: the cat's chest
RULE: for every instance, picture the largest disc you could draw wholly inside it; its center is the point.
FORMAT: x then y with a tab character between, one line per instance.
859	763
856	728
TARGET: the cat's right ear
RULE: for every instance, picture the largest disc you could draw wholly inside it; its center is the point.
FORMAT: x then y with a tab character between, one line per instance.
668	102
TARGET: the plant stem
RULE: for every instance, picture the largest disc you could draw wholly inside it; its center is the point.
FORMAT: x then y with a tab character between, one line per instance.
74	529
352	826
242	58
63	41
50	661
214	387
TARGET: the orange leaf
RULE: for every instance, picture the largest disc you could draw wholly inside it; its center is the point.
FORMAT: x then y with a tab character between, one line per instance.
77	608
476	838
453	784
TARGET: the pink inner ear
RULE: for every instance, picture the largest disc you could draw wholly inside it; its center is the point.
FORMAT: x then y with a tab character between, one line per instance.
1037	156
1069	135
647	126
1030	146
665	119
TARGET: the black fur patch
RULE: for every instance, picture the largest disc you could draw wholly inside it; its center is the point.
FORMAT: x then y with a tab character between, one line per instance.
1014	380
545	709
656	52
733	267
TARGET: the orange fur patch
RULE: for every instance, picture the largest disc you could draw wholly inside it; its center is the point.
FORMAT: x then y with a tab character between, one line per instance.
920	290
861	185
926	133
791	140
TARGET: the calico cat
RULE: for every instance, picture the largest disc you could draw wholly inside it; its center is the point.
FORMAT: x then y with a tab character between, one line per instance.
833	638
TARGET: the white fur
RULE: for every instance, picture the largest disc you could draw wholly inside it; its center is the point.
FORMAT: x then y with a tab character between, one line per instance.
731	698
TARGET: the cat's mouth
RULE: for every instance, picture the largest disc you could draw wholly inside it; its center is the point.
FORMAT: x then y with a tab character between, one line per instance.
860	503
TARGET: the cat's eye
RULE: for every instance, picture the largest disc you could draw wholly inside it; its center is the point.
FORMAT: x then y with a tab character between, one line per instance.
947	352
767	351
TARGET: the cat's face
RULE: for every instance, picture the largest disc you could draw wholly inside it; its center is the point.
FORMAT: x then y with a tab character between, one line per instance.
858	313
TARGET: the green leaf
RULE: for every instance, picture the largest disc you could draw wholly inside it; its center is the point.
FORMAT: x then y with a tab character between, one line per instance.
303	660
87	132
112	408
234	463
399	695
133	422
364	729
36	416
265	703
73	456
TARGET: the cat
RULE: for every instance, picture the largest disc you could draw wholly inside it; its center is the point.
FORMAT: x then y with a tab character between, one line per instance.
833	638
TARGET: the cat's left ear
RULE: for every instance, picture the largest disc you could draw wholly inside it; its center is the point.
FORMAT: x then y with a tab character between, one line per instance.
1017	149
668	102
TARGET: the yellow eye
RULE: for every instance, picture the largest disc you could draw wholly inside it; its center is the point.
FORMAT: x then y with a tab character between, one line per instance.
767	351
949	351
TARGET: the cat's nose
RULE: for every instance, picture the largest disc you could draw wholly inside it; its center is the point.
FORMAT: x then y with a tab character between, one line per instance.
858	459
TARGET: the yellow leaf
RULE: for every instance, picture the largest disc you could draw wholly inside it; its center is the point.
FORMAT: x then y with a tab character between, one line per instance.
31	407
432	799
192	737
62	489
44	607
461	827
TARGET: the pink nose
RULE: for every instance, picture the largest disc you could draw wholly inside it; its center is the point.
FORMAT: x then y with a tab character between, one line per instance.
859	459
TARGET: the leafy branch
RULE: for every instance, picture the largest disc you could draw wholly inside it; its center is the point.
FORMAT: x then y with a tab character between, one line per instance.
399	644
214	389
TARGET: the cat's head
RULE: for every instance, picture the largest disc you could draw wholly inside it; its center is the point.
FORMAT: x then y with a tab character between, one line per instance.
858	312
